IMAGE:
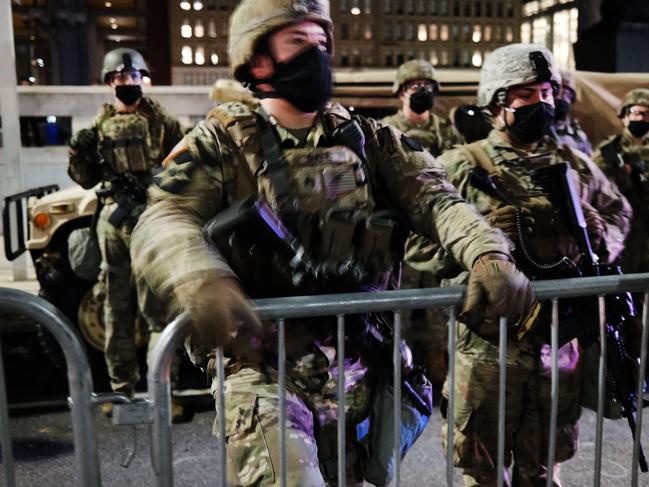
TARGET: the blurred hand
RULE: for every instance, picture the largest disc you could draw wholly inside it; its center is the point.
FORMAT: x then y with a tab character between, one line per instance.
504	218
595	225
496	288
222	315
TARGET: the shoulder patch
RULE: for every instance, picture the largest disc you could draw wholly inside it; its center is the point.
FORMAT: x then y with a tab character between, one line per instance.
411	143
177	172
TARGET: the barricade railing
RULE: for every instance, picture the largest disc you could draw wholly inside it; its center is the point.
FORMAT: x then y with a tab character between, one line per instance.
395	301
81	399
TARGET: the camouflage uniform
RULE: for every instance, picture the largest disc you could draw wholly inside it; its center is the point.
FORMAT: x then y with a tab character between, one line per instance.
527	403
120	306
202	179
528	364
425	330
569	132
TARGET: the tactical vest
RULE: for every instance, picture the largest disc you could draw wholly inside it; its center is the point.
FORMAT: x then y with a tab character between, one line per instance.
325	208
131	142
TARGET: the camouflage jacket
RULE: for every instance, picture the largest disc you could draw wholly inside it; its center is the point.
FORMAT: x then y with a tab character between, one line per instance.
437	136
202	177
572	135
165	132
628	166
550	238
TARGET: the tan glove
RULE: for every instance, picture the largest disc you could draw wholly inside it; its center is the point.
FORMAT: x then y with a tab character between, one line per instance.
497	288
595	225
504	218
222	315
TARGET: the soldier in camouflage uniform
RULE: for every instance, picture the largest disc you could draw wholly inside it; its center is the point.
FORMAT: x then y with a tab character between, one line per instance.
517	83
566	129
425	330
336	195
625	159
127	140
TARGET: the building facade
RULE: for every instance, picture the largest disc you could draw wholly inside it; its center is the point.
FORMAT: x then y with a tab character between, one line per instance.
368	34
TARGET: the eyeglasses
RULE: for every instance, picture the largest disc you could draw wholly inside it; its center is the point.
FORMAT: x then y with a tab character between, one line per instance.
637	114
123	76
415	85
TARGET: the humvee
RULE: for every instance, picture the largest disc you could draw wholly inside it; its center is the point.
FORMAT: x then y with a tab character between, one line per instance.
40	220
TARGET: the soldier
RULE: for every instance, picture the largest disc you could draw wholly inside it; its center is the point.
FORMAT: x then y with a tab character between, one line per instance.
625	159
416	87
566	128
425	330
127	140
517	83
290	154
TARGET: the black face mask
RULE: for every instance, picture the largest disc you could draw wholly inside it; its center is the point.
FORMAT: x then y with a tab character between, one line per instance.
531	122
561	109
128	94
638	128
304	81
421	101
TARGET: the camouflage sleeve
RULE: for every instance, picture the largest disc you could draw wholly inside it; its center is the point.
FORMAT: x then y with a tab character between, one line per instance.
167	246
450	136
416	184
173	133
603	194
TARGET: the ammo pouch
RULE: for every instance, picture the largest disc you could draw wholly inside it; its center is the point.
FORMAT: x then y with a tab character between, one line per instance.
125	143
416	408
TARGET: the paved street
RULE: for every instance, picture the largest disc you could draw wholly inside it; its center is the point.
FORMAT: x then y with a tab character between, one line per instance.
44	452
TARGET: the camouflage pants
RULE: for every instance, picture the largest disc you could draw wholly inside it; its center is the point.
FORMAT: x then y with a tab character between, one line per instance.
252	428
527	410
120	306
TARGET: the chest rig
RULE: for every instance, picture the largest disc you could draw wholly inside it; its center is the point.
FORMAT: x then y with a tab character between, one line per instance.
131	142
306	220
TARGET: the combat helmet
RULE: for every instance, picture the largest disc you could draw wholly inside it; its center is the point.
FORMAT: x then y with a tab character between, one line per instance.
568	80
412	70
253	20
123	58
515	64
639	96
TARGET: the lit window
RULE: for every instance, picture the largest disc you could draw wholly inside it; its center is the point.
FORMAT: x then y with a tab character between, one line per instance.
526	33
186	30
434	60
355	11
476	60
541	31
509	34
432	32
211	28
487	33
199	56
198	5
564	36
530	8
477	33
199	30
443	33
368	6
545	4
368	32
214	58
186	54
185	5
444	58
422	33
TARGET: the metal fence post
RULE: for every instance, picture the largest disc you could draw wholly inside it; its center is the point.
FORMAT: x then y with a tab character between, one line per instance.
502	389
601	391
554	394
450	429
641	379
79	378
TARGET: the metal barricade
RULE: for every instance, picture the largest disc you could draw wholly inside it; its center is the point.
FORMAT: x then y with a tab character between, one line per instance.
79	380
394	301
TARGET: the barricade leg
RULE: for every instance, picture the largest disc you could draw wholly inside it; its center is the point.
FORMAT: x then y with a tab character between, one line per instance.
396	361
554	405
601	392
281	359
452	325
342	464
640	391
502	389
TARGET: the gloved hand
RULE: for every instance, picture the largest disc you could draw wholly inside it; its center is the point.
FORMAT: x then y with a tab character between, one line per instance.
504	218
497	288
595	225
222	315
85	143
